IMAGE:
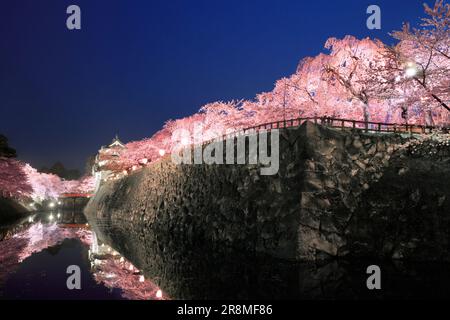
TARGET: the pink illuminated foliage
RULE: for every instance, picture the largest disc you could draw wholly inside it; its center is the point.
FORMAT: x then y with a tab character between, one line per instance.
427	51
84	185
45	186
357	80
21	181
13	179
113	273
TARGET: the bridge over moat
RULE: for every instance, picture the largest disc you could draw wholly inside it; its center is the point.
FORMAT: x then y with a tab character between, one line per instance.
74	201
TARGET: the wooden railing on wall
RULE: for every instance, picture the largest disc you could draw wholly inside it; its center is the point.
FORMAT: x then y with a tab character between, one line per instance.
368	126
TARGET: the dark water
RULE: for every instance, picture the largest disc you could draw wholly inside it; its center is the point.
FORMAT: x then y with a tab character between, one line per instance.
197	271
231	275
43	275
35	254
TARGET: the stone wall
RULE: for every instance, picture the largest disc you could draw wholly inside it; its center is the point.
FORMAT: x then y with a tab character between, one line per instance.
337	194
368	195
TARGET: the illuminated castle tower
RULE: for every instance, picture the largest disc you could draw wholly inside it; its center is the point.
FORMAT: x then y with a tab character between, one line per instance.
107	161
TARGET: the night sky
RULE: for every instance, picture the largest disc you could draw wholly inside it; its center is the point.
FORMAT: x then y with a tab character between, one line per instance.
137	63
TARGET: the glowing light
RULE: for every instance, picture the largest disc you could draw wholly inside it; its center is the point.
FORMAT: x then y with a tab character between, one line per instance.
87	224
162	152
58	215
59	202
411	72
51	205
159	294
30	219
141	279
51	217
185	141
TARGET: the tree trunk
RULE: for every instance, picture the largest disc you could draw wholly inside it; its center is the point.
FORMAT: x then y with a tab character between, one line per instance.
429	121
366	116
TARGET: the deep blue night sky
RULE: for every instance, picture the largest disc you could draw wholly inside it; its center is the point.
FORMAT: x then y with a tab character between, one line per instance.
137	63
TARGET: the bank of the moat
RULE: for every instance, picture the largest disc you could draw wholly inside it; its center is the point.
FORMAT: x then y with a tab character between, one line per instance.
337	194
11	211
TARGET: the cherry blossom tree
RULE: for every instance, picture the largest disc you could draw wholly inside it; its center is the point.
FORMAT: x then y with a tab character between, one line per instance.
13	179
424	55
351	65
45	186
357	80
84	185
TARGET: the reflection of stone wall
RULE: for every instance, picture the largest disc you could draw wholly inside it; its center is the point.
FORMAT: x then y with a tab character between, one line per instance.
337	193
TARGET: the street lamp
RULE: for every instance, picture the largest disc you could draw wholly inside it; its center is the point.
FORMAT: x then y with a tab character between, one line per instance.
411	70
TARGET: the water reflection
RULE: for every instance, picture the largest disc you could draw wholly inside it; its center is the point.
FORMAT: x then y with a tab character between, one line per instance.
114	271
35	253
196	270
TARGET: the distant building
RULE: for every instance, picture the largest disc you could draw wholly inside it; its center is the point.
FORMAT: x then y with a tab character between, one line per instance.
106	164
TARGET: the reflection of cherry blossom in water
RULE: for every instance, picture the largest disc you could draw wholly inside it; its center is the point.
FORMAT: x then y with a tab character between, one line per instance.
111	270
38	237
114	272
33	239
